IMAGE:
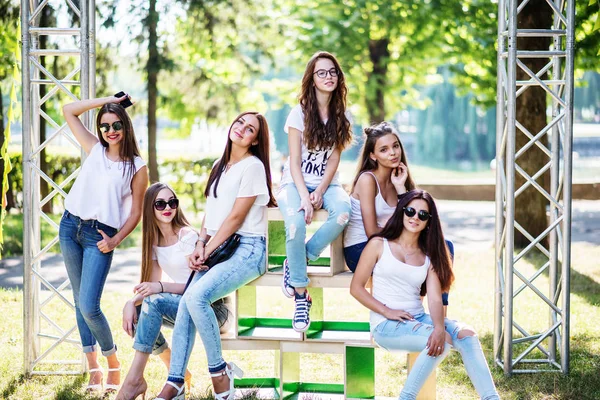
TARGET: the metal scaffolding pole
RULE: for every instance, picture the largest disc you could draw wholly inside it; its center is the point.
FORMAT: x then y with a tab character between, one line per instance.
519	348
48	344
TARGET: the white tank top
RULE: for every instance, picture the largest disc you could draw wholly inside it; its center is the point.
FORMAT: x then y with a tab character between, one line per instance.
355	231
397	284
101	191
173	259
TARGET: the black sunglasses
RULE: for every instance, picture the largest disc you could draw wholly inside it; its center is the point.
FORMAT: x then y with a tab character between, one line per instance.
161	204
410	212
117	126
322	73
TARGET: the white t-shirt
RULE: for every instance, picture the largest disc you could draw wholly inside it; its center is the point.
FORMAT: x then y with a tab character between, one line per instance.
173	259
244	179
101	191
313	161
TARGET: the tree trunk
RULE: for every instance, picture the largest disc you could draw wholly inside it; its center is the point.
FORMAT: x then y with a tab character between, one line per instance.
376	79
152	69
530	208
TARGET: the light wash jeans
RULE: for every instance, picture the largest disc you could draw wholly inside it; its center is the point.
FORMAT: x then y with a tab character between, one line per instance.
87	268
195	313
413	335
337	203
157	310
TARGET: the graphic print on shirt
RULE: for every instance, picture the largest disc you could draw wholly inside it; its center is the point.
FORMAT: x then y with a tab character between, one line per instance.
315	163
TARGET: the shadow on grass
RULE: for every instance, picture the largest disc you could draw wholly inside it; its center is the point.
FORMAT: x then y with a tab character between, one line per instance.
12	386
582	383
581	284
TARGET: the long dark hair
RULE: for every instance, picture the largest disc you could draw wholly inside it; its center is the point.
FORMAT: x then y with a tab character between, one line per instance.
150	231
336	132
372	135
260	150
129	148
431	239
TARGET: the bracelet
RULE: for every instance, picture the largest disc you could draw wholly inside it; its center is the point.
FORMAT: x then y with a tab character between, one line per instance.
162	289
203	240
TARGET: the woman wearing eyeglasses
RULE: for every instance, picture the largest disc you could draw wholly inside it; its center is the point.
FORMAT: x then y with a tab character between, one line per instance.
318	130
407	259
382	177
102	208
238	193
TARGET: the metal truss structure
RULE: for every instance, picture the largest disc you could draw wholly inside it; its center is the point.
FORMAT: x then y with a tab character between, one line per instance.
45	301
520	347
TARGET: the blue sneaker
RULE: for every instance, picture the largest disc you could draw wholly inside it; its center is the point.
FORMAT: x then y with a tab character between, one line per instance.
286	288
301	320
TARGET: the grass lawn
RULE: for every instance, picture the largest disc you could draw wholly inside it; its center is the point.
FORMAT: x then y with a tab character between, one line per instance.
471	301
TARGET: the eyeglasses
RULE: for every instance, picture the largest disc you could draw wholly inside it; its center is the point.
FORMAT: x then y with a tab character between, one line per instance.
160	205
410	212
322	73
117	126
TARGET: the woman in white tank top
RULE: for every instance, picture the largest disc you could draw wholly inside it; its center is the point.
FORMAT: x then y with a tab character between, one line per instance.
382	176
102	208
408	259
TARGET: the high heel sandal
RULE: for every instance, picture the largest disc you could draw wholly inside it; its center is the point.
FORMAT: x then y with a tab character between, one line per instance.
230	370
144	388
180	391
111	387
91	388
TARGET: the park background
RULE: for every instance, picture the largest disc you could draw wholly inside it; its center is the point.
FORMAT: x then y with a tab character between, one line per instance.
427	66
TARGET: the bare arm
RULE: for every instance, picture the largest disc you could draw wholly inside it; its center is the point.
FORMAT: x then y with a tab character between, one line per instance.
364	269
72	111
366	191
333	163
434	301
230	225
139	185
295	147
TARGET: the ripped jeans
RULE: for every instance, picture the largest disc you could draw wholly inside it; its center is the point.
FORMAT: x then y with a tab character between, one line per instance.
412	336
337	203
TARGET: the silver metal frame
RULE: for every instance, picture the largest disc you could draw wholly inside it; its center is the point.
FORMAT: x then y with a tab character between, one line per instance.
43	335
550	346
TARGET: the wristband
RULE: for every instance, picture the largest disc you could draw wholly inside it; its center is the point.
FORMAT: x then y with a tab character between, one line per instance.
203	240
162	289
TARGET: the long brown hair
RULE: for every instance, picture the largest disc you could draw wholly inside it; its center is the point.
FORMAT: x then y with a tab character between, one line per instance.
431	239
150	232
372	135
129	148
260	150
336	132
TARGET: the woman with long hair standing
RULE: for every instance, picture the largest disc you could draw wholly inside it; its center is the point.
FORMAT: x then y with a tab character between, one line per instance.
238	193
102	208
318	130
408	259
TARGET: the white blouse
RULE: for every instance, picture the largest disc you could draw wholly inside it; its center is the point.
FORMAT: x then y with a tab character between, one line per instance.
173	260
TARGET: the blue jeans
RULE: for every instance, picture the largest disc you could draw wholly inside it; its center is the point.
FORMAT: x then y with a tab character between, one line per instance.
87	268
195	311
337	203
412	336
156	310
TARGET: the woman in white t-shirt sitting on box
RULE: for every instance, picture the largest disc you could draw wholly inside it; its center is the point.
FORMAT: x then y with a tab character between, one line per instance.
102	208
238	193
318	130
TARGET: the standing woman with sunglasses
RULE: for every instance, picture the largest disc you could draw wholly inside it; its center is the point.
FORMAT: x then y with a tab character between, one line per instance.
102	208
407	260
318	130
382	177
238	193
